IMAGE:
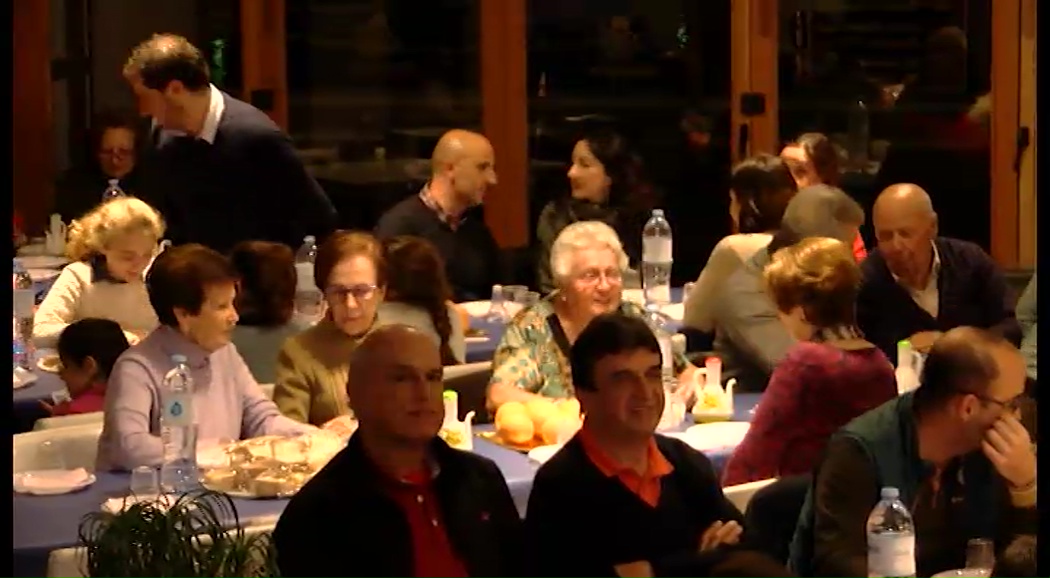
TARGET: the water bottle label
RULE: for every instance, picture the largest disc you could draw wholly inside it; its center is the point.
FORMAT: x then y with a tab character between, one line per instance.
891	554
656	250
666	351
178	410
23	302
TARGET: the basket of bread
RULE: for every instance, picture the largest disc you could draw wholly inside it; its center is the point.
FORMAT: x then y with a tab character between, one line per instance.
539	422
268	466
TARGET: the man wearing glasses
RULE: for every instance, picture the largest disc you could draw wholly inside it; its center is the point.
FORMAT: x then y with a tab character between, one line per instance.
956	450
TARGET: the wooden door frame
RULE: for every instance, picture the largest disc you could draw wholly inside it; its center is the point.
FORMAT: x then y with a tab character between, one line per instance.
753	60
33	178
1005	123
1028	178
264	71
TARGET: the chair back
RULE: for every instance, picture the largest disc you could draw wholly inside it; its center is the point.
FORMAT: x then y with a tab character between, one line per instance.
76	445
741	494
470	381
773	512
45	423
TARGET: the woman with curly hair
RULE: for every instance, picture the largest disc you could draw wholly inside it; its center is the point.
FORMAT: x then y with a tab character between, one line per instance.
418	294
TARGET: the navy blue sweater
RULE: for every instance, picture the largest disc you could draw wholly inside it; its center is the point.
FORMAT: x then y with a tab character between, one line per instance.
248	185
972	292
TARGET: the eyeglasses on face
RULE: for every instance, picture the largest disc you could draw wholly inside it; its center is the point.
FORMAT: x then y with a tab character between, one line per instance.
359	292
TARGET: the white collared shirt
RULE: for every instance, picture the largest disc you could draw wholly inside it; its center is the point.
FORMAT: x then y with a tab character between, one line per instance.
928	297
216	106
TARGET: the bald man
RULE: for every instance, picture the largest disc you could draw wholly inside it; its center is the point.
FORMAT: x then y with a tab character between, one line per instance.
918	285
218	169
967	469
447	212
398	501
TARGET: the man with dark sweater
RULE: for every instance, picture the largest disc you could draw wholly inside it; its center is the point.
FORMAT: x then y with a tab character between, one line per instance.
447	212
918	285
956	451
398	501
618	500
217	168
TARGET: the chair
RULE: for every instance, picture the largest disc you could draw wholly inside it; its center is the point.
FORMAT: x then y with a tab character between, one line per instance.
773	512
46	423
267	389
470	381
77	445
70	562
741	494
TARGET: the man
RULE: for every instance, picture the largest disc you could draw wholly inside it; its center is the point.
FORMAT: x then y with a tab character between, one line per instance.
398	501
618	500
749	336
220	170
447	213
954	448
917	285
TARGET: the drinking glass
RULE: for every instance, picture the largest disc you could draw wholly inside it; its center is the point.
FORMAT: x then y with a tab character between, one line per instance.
980	555
530	298
496	312
513	299
49	456
144	481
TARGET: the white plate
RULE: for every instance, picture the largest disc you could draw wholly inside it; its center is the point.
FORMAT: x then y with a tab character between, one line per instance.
38	275
55	482
477	340
706	437
43	262
22	378
49	363
117	505
33	249
476	308
541	454
964	573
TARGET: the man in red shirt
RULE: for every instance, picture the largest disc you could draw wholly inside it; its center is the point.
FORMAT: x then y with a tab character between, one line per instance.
398	501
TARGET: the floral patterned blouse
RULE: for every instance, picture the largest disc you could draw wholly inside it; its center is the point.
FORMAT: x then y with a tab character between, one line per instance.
534	352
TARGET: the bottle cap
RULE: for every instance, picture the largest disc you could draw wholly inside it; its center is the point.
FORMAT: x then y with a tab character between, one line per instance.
904	343
114	182
658	212
890	493
449	394
309	239
178	358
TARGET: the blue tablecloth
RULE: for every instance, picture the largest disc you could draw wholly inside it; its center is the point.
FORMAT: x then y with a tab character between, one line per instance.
45	523
25	404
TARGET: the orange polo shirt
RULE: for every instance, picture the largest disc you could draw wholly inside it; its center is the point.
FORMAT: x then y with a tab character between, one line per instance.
647	485
432	551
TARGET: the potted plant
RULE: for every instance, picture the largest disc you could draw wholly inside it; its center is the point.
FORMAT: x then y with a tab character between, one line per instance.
198	535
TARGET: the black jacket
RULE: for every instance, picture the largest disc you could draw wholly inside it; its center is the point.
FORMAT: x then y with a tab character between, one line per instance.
342	523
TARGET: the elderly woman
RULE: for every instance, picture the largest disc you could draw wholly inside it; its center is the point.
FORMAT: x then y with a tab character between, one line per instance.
114	145
532	359
192	289
760	189
312	367
830	376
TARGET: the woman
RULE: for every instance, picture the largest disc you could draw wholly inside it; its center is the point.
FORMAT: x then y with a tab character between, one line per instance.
418	295
192	288
606	186
760	189
532	359
110	247
265	303
813	160
114	146
829	377
312	367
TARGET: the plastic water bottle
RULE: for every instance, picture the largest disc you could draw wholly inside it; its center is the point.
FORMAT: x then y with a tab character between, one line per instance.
309	302
656	259
674	409
178	429
112	191
891	538
907	376
24	299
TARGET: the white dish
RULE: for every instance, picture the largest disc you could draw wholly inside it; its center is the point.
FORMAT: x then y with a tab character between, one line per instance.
964	573
477	340
49	363
38	275
476	308
22	378
43	261
541	454
52	482
33	250
117	505
706	437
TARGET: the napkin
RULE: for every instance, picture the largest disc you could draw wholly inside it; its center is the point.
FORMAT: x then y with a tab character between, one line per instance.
23	377
54	480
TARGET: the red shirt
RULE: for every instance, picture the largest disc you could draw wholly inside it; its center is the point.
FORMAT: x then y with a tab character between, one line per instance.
432	552
860	252
91	400
812	393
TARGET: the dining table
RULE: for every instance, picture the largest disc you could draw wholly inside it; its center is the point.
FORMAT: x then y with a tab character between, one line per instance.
42	524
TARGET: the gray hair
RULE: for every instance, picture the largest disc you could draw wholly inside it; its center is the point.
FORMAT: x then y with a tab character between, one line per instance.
582	236
818	211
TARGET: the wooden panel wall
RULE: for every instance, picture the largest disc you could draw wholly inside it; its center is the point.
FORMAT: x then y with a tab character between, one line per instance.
1027	205
31	135
264	54
1006	62
504	117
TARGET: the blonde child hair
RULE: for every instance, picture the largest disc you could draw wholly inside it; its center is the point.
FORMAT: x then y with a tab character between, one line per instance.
89	235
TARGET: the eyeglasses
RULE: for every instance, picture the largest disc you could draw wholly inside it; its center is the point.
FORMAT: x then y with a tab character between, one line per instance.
117	152
359	292
1012	404
593	276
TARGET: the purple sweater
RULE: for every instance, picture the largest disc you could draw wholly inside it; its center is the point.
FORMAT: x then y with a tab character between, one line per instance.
228	403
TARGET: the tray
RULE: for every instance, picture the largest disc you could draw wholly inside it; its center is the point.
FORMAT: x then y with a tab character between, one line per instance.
494	437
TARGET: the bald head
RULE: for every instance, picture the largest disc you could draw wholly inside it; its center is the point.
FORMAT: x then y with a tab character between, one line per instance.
975	361
463	167
905	197
386	345
455	145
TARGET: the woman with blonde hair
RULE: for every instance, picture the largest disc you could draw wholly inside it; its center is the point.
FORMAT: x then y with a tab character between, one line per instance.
829	377
111	247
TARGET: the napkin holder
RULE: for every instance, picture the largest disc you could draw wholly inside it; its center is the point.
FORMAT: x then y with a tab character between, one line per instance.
462	431
713	402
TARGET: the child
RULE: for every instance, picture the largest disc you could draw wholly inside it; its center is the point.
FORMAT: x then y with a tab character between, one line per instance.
111	246
87	349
